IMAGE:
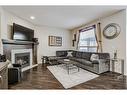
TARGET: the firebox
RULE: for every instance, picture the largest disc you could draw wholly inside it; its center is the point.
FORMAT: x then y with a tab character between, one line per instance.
23	59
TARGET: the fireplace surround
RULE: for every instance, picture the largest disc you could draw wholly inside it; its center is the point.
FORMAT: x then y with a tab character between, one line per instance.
11	46
22	57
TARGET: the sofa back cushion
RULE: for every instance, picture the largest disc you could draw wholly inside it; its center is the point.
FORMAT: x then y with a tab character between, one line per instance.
79	54
86	55
74	53
61	53
104	56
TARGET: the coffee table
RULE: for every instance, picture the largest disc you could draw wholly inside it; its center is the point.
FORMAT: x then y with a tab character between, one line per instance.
69	64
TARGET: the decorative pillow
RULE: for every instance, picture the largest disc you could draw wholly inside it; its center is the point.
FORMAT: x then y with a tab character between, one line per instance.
9	64
94	57
69	54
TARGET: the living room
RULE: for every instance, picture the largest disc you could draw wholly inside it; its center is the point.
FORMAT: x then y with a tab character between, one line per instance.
65	24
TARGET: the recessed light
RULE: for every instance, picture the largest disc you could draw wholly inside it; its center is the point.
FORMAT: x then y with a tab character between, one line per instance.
32	17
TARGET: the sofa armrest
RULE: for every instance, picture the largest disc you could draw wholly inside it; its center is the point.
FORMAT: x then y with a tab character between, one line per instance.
104	61
100	61
104	65
95	62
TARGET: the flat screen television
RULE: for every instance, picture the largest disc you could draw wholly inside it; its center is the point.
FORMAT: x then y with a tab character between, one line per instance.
22	33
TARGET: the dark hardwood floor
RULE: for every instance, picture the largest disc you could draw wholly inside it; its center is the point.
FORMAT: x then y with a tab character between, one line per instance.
41	78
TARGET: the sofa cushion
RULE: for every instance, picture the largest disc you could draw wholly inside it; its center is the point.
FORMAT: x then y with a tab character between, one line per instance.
78	60
75	59
79	54
86	55
85	62
74	53
104	56
81	61
61	53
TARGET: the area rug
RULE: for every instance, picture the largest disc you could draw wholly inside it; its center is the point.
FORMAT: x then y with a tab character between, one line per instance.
72	79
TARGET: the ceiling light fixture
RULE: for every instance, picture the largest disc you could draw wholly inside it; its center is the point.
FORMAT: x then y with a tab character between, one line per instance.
32	17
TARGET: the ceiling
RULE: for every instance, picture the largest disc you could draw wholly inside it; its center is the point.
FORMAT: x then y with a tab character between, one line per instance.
67	17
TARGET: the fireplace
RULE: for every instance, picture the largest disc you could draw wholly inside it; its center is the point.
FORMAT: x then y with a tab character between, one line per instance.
23	57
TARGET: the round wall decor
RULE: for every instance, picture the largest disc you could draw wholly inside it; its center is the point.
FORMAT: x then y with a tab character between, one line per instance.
111	31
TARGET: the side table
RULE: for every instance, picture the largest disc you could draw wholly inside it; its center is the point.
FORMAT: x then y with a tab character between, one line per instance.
44	60
120	61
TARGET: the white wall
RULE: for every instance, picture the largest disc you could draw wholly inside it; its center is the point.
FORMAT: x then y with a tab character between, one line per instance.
118	43
6	21
1	11
42	34
126	44
9	19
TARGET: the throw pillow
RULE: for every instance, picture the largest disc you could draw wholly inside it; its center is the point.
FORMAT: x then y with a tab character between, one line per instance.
9	64
94	57
69	54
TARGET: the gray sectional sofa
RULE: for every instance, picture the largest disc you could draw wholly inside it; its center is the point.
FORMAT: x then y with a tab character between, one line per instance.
83	59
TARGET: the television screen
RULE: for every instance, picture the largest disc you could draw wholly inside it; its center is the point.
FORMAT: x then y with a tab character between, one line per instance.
22	33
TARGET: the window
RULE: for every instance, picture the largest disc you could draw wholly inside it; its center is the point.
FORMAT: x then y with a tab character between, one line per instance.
87	40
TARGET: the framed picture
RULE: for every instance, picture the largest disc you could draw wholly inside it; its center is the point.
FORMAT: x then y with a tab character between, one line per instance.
55	41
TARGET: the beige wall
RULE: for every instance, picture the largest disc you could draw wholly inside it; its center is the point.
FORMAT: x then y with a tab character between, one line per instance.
40	32
1	28
7	19
118	43
44	49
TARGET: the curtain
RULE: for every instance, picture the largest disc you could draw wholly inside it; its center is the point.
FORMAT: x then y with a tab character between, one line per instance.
92	27
98	37
1	47
78	34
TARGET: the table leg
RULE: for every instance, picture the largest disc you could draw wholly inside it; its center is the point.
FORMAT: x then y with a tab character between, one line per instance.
68	70
78	69
113	67
122	69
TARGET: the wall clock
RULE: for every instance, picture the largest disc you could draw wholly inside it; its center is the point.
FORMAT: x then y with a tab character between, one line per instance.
111	31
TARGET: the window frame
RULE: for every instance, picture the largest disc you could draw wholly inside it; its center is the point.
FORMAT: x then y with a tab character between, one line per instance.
84	30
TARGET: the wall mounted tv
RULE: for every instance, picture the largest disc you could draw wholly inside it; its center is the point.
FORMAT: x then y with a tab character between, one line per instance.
22	33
